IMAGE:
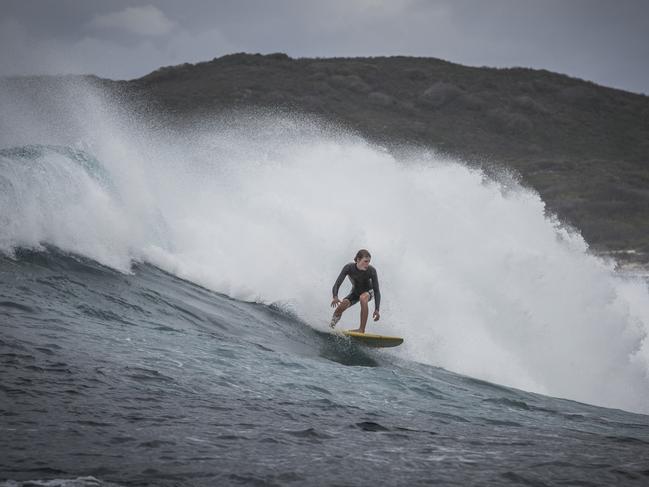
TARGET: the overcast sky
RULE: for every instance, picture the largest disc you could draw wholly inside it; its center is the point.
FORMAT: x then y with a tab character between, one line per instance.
603	41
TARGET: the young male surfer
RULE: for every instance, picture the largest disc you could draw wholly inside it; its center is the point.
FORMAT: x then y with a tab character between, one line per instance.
365	286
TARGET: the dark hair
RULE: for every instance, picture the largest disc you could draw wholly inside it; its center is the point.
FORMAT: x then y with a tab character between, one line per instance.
361	254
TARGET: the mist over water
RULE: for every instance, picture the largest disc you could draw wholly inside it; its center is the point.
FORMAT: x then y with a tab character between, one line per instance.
268	208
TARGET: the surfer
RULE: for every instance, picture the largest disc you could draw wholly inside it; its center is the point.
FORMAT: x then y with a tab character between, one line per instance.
365	287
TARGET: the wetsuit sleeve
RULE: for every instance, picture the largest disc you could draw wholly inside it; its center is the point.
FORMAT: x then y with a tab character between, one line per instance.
340	280
377	291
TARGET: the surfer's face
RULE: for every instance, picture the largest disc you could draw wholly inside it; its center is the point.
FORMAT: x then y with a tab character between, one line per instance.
363	263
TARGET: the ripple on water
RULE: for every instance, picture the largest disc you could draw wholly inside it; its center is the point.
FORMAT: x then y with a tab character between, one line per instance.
155	443
370	426
17	306
627	440
142	374
309	433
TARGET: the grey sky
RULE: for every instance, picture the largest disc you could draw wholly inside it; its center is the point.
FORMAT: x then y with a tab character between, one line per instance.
602	41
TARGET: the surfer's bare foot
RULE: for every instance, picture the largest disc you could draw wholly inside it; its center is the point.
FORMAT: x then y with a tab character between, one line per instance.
357	330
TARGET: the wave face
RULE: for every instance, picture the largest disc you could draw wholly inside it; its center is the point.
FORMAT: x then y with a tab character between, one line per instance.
148	379
267	208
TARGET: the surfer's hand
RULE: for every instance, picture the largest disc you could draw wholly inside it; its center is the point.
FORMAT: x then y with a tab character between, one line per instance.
376	316
335	302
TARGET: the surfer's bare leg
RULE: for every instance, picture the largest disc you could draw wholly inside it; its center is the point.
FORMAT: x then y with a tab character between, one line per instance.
344	304
364	299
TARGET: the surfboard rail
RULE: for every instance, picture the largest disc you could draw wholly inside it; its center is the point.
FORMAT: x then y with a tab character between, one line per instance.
372	339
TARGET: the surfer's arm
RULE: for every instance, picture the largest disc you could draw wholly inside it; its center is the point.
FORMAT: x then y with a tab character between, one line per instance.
339	281
377	291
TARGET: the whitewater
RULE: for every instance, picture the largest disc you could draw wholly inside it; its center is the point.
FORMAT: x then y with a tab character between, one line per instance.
226	226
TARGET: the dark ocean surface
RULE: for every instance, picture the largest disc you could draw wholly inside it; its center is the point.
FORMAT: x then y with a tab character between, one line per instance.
147	379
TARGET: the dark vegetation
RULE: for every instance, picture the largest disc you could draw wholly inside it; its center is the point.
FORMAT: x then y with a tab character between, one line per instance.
583	147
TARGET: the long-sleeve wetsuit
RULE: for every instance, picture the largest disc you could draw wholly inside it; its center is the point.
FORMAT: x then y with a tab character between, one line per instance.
362	281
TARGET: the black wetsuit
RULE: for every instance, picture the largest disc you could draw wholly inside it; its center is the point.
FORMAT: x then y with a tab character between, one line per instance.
362	281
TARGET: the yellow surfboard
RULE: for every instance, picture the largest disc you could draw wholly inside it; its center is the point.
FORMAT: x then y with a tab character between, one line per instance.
372	340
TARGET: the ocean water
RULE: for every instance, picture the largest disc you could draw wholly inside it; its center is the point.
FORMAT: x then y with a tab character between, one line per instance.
164	299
